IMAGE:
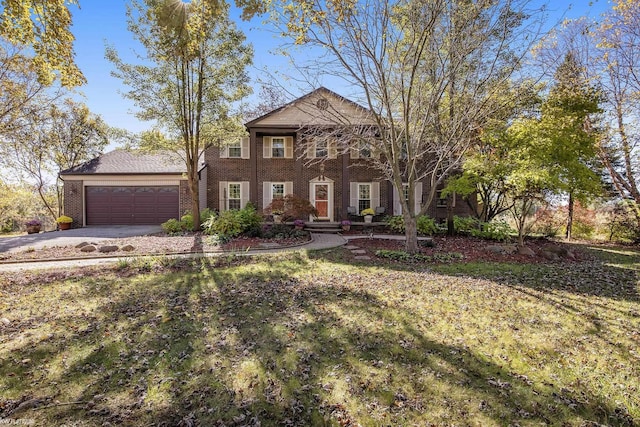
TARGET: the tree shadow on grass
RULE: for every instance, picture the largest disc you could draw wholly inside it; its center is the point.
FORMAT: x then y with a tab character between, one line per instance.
258	345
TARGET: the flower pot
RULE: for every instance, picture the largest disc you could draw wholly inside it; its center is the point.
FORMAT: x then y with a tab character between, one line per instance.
64	225
33	229
346	227
277	219
368	219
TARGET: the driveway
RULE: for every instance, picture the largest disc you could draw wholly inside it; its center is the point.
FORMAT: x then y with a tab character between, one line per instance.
74	236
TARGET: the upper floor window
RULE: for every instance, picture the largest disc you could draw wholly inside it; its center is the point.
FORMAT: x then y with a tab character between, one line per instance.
277	147
236	149
321	149
361	149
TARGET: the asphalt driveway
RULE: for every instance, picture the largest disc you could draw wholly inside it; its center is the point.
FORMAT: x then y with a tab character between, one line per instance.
74	236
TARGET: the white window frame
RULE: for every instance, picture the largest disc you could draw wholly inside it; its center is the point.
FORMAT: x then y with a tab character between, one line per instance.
284	147
370	199
224	190
272	188
239	198
235	146
241	143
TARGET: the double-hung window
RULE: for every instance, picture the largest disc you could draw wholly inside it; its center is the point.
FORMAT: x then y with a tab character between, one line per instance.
234	196
235	150
364	196
277	147
321	149
277	190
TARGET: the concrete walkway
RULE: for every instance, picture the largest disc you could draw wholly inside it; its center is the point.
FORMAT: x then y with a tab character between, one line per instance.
320	241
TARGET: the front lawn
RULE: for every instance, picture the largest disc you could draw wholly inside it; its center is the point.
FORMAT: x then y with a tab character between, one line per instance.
318	340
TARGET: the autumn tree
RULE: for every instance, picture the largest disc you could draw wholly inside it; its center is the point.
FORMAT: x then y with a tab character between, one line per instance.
48	141
45	26
618	62
424	69
569	135
192	72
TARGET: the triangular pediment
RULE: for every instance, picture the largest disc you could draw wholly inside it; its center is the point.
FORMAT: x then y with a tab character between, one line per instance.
320	107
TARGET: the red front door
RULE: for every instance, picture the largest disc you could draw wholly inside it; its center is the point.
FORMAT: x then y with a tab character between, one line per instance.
321	199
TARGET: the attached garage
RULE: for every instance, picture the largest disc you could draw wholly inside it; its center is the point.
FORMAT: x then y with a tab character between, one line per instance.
131	205
127	188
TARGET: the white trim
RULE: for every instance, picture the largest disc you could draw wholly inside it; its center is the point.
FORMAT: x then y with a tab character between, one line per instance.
330	190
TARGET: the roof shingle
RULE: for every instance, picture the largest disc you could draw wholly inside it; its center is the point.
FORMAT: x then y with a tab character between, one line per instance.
122	161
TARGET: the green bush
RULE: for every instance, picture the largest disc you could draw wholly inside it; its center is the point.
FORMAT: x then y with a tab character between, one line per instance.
496	230
465	225
205	214
395	223
403	256
230	224
425	226
172	226
187	222
282	231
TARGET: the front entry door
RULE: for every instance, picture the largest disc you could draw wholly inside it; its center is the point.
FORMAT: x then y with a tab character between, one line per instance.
321	200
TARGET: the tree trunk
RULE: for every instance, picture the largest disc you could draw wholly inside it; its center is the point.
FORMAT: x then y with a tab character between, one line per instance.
570	217
411	234
195	200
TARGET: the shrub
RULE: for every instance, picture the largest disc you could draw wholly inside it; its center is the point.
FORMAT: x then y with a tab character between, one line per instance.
205	214
403	256
172	226
425	225
186	221
465	225
291	207
395	223
230	224
496	230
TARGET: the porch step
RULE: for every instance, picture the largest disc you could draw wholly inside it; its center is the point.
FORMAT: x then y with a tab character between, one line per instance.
323	227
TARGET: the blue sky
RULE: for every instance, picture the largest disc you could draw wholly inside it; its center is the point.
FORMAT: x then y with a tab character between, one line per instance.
98	23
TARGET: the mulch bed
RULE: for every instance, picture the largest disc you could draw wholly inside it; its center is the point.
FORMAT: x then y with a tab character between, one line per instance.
472	249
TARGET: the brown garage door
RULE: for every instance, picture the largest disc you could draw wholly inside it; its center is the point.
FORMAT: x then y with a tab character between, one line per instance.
131	205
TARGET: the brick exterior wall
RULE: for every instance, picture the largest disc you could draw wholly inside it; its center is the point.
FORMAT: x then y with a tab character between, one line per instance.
341	171
185	197
72	202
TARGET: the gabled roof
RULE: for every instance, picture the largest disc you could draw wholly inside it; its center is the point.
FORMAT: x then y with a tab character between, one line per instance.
128	162
309	110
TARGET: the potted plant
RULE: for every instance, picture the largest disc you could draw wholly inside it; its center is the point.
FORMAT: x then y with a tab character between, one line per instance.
64	222
368	214
299	224
33	226
346	225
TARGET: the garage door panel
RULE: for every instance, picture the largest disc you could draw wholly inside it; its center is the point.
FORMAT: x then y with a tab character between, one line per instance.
131	205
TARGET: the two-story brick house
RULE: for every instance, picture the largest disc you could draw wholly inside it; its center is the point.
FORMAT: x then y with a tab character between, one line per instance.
277	158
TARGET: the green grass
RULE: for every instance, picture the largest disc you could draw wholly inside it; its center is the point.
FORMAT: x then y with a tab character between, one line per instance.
313	340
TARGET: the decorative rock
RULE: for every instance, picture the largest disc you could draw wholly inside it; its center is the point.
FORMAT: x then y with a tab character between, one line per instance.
81	245
551	256
362	258
558	250
127	248
108	248
570	255
88	248
358	251
496	249
5	321
526	251
351	247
